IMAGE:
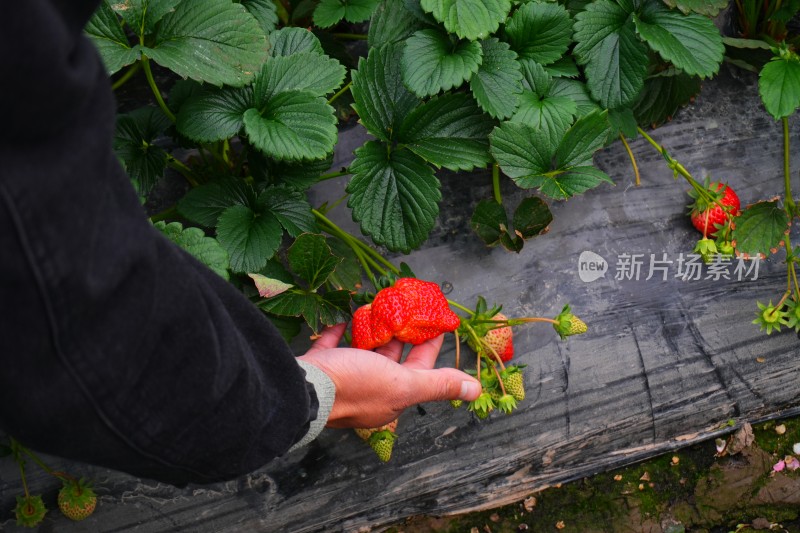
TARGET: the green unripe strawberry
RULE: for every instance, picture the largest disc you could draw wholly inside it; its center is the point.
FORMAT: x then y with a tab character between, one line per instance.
76	499
380	439
507	403
456	403
30	511
513	382
566	324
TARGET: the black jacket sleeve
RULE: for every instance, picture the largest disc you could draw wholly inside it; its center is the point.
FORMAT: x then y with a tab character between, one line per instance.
116	347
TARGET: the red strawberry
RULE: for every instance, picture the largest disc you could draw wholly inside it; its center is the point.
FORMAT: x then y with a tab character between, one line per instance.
501	339
706	215
412	311
76	499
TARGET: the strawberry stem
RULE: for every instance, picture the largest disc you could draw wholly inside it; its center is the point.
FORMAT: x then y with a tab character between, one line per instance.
637	176
459	306
788	200
496	373
496	183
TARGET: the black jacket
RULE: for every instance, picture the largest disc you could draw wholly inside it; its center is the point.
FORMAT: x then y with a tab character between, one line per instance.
117	348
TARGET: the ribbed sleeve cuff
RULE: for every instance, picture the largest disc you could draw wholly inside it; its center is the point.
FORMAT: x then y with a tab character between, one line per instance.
326	394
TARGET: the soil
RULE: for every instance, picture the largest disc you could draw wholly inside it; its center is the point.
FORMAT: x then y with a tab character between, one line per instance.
694	490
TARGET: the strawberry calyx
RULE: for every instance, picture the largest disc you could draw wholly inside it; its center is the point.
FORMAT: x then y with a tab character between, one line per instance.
567	324
30	510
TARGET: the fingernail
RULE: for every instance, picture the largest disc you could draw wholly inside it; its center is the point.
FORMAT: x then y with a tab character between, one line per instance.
469	390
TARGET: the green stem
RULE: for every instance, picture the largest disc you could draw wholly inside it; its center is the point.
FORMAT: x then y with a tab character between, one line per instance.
129	73
152	82
496	183
329	176
182	169
367	263
459	306
788	200
351	36
340	92
637	176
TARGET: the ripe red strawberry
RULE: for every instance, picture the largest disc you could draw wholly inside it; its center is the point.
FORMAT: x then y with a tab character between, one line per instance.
412	311
706	215
76	499
501	339
380	439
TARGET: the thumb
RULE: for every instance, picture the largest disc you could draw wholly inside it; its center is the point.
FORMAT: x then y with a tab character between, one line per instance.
445	384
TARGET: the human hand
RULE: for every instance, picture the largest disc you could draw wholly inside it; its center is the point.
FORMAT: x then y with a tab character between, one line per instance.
373	387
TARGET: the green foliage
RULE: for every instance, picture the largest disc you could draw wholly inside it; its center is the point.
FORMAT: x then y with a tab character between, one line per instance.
531	89
760	228
779	84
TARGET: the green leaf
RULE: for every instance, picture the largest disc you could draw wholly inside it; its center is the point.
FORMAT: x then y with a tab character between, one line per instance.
269	287
288	326
204	204
214	114
489	221
614	59
394	196
311	259
290	207
532	217
569	183
709	8
779	86
293	126
143	15
432	62
449	131
250	238
264	12
290	40
623	121
690	42
347	275
205	249
521	150
134	145
330	12
381	99
541	31
583	139
496	86
538	108
469	19
760	228
210	41
107	34
563	68
331	308
392	22
302	71
299	176
577	92
662	96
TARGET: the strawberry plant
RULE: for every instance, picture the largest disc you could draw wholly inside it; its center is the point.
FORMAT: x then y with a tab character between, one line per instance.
528	91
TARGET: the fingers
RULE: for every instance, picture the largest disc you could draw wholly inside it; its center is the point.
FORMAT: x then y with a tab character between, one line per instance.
329	338
444	384
423	356
393	350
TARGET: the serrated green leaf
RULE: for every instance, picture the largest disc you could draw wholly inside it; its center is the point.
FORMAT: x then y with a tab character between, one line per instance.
347	275
291	40
288	326
203	248
576	180
690	42
469	19
489	221
779	86
392	22
141	16
331	308
133	144
264	12
250	238
709	8
582	140
662	96
577	92
335	307
538	108
760	228
291	303
107	34
303	71
210	41
269	287
204	204
214	114
380	97
614	59
394	196
563	68
330	12
622	121
311	259
497	84
290	207
541	31
532	217
449	131
293	126
521	150
432	62
298	176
